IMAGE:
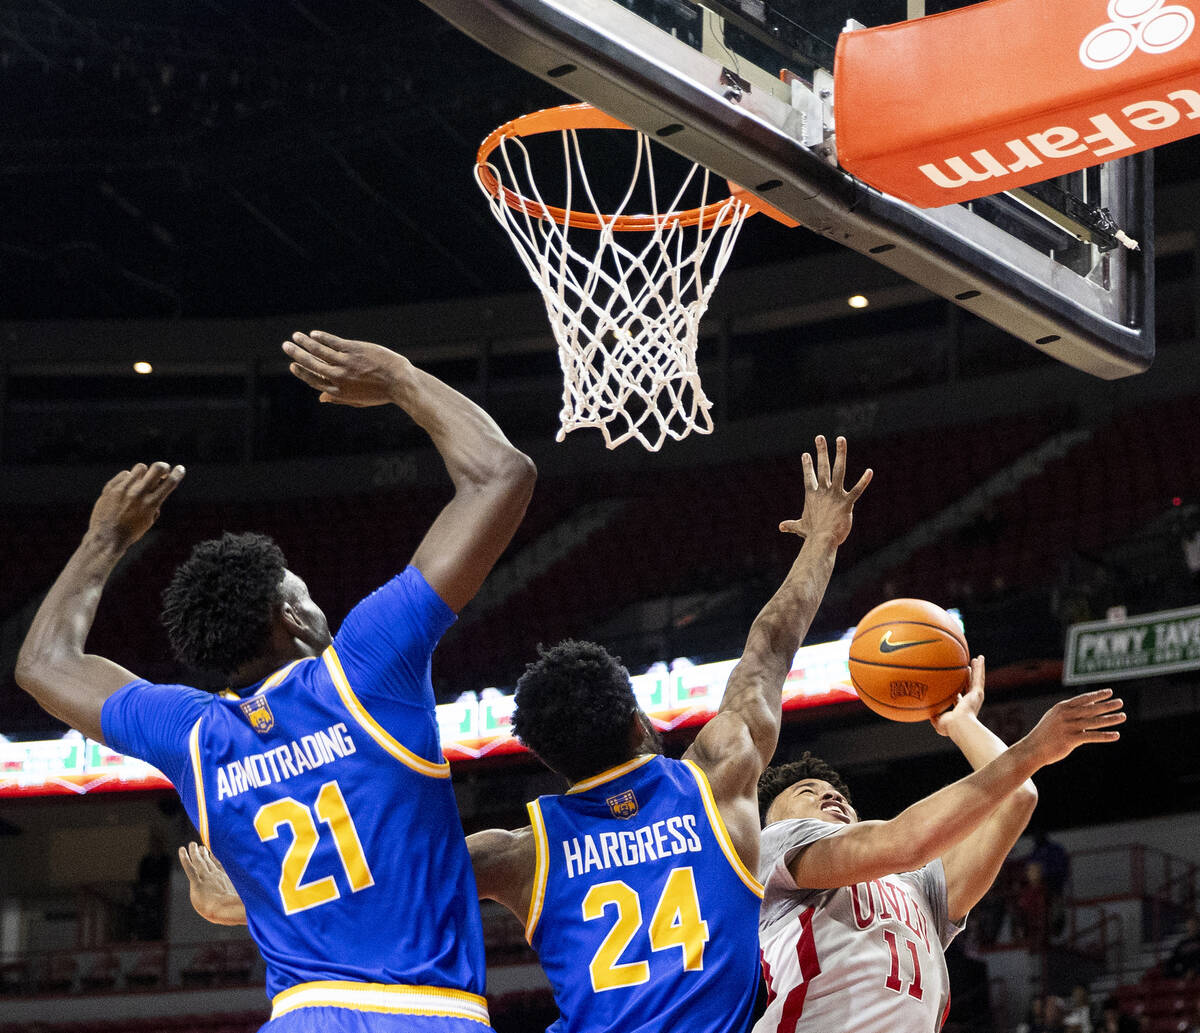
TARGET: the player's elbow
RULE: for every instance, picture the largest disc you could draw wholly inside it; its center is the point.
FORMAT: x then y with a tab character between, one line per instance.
33	663
509	472
520	470
1025	799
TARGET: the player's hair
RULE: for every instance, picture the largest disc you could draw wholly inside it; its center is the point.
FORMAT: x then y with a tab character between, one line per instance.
218	607
775	780
574	706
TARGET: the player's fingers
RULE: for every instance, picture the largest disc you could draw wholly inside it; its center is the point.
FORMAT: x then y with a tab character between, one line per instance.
1106	706
1085	714
332	341
861	486
978	671
810	475
792	527
1107	720
823	474
168	483
312	356
327	346
188	869
1090	697
199	854
150	478
209	857
116	479
313	380
839	461
1101	736
140	479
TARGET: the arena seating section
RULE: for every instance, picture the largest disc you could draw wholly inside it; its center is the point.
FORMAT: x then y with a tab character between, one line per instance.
684	531
1161	1004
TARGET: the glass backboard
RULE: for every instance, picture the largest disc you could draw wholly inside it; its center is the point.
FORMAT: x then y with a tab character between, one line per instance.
745	88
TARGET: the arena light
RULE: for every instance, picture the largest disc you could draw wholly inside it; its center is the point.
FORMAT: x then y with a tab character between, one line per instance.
144	368
857	301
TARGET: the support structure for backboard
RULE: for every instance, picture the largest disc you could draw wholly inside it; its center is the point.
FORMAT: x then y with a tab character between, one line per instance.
601	52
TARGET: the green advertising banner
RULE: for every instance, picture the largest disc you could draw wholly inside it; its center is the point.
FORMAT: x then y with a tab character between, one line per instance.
1136	647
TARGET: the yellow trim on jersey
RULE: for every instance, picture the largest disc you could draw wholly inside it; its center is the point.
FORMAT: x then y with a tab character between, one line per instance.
719	830
272	681
537	896
372	727
390	998
201	807
610	774
279	675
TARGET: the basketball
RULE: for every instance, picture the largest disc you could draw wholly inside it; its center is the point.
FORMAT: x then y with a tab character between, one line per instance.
908	660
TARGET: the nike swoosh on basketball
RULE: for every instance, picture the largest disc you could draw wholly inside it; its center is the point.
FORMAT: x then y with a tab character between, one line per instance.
886	645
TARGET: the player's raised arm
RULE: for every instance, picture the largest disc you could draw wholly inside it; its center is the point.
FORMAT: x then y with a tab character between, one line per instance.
973	864
737	745
492	480
931	827
52	666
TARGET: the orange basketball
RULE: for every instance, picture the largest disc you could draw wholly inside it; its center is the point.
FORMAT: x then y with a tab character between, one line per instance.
909	660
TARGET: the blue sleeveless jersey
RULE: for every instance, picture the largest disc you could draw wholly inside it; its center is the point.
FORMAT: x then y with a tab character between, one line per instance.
643	916
324	793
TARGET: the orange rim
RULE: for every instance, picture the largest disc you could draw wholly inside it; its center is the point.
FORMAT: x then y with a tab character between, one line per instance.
583	116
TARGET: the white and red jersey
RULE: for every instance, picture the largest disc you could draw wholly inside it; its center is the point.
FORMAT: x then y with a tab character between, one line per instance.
867	958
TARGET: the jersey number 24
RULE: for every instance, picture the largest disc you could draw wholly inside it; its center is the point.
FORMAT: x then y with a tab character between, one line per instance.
676	922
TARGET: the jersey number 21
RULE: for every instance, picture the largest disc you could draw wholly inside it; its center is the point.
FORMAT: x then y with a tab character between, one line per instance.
331	809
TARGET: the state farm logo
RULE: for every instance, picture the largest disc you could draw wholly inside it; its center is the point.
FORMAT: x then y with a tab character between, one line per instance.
1146	25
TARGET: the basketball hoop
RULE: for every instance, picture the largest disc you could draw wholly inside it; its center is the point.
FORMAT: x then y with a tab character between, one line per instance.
626	319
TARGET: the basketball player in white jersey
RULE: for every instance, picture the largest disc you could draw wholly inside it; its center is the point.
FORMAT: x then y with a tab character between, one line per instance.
857	914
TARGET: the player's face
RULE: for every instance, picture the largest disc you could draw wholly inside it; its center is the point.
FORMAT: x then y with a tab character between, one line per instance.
314	631
812	798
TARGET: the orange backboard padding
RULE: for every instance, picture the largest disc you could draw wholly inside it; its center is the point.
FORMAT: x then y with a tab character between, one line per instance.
993	96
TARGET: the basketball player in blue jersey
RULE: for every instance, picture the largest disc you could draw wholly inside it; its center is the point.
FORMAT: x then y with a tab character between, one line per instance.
318	780
636	887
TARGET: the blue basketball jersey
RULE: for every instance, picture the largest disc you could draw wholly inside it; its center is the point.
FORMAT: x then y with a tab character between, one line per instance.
643	916
325	794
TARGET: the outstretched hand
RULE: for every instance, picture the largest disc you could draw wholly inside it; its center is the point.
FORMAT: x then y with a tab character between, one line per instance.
356	373
130	502
211	892
1089	717
966	706
828	506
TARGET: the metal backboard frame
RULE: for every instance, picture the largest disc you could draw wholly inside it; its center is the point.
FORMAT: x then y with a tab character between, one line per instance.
779	139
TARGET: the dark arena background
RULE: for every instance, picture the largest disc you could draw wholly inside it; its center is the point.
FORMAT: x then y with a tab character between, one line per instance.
182	185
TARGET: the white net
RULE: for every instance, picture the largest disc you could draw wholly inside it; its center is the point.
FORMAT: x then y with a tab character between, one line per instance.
624	305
